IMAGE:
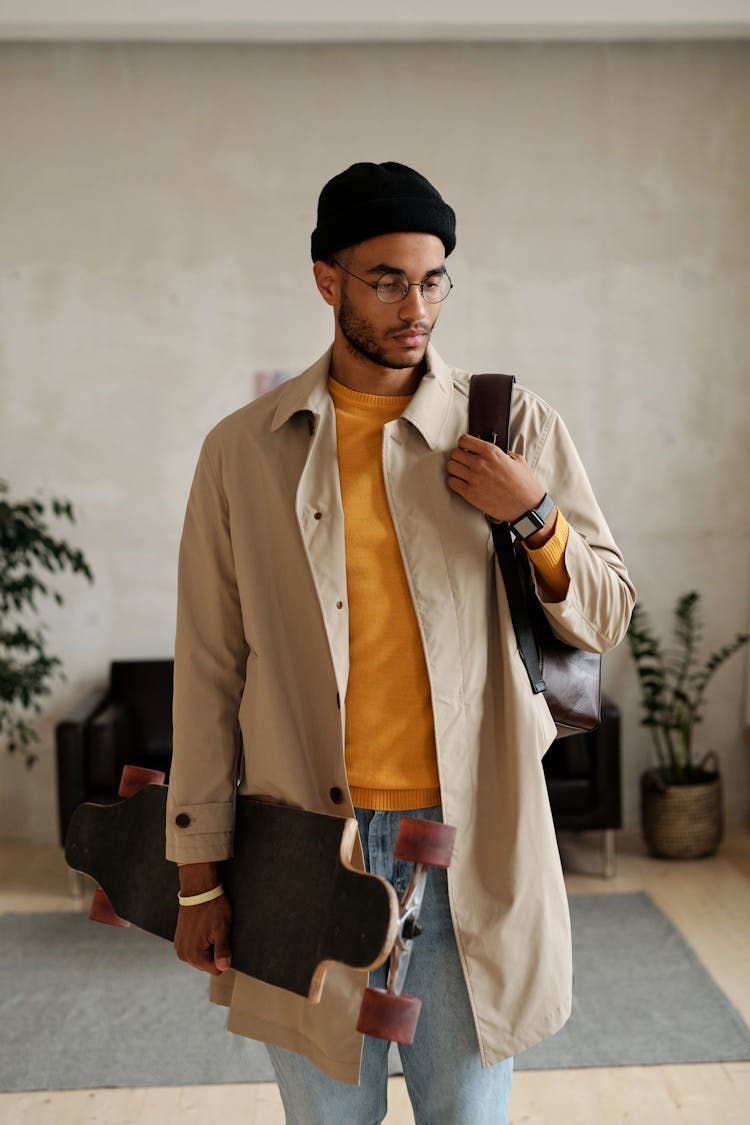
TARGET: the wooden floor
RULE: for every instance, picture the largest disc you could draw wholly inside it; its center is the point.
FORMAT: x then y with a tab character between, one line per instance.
708	899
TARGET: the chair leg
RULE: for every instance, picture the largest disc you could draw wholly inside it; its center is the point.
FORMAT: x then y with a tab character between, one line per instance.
608	853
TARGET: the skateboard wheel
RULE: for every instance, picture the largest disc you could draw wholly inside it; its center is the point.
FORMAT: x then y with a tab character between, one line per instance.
425	841
102	910
137	777
385	1016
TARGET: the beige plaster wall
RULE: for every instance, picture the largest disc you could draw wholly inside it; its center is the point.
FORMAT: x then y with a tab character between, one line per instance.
155	210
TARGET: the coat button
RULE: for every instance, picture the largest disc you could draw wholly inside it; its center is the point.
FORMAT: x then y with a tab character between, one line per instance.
338	701
339	605
336	795
182	820
318	515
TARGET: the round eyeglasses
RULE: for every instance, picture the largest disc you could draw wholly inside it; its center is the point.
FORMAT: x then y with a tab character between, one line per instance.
393	287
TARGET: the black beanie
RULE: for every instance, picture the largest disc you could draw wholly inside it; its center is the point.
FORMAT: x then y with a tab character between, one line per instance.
371	199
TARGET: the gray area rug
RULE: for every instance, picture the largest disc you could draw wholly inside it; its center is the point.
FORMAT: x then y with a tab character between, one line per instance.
641	995
85	1006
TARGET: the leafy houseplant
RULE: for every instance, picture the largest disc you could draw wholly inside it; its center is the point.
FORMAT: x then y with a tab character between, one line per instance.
673	685
27	549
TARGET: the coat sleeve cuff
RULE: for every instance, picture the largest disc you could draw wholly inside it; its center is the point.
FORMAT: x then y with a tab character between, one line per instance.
595	612
200	833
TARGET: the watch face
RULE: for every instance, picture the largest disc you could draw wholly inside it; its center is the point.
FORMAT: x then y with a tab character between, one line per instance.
534	520
527	525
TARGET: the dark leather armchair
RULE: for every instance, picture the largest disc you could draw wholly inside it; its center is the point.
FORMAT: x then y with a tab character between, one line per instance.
583	781
129	722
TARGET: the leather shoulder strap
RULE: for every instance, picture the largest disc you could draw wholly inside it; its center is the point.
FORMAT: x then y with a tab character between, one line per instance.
489	418
489	408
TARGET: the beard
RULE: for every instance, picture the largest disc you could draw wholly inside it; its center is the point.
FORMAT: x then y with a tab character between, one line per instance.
362	338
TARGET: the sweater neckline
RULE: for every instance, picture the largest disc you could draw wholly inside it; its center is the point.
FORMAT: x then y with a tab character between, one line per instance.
343	394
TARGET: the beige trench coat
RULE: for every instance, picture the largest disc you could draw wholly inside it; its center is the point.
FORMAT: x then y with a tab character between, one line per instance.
261	664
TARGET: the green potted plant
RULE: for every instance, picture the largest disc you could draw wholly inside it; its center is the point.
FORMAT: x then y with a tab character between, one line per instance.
27	550
681	799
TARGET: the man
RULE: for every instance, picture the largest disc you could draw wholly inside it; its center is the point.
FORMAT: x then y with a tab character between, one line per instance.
344	645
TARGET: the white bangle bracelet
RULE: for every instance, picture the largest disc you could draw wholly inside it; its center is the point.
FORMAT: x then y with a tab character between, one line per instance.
196	900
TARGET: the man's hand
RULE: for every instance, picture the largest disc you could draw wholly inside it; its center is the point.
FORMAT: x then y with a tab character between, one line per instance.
499	484
202	935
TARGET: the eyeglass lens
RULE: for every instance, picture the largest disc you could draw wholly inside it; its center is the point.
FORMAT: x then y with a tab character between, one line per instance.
394	287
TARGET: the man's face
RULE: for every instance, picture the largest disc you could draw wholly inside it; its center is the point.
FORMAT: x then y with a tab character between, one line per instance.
395	335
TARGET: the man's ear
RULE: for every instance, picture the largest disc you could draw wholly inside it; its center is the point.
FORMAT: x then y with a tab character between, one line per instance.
327	281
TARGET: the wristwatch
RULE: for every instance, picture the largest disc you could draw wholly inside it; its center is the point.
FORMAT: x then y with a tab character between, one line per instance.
534	519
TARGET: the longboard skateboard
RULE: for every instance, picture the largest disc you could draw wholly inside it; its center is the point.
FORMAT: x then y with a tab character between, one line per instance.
297	903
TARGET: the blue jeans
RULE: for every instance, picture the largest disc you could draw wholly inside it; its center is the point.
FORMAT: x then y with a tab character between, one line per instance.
444	1076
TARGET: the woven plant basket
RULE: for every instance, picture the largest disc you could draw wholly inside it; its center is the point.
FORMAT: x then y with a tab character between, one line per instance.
683	821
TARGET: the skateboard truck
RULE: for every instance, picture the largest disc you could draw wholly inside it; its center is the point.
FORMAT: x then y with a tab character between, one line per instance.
389	1013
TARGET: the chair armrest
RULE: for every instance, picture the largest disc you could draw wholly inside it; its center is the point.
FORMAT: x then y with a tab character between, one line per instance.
70	748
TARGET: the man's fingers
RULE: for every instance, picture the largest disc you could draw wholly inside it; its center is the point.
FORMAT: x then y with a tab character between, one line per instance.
458	485
205	961
463	456
222	952
458	469
468	466
472	444
473	451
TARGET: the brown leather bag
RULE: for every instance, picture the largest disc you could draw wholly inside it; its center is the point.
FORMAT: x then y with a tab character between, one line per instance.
569	677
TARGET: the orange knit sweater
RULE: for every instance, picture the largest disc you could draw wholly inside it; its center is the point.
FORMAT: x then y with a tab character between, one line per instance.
390	738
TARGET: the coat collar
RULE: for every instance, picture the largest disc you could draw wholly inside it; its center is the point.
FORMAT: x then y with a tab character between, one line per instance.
427	410
308	392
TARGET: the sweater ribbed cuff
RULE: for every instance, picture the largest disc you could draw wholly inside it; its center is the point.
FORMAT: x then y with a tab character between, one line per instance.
549	560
